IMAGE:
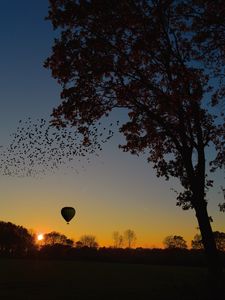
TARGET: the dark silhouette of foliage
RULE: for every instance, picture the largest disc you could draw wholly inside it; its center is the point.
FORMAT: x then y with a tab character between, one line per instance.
55	251
88	240
79	244
175	256
175	242
147	58
118	239
196	243
208	23
130	238
54	237
219	238
15	240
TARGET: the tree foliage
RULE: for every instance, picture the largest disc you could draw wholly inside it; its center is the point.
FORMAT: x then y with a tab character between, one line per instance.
130	238
208	23
53	238
175	242
118	239
88	240
15	240
136	55
196	243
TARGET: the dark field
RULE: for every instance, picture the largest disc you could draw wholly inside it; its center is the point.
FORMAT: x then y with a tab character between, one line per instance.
42	279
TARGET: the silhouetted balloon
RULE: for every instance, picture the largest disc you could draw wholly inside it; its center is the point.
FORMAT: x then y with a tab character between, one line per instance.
68	213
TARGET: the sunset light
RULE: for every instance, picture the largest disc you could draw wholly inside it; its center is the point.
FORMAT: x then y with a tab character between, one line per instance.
112	149
40	237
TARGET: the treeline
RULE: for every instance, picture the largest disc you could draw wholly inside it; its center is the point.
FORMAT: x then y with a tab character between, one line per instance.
16	241
127	255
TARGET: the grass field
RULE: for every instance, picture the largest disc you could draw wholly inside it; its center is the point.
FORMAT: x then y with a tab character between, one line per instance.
39	279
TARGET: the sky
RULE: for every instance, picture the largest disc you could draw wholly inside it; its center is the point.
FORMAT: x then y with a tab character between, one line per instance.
115	192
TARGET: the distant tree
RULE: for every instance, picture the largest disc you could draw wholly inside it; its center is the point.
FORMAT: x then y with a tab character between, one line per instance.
54	237
130	238
88	240
15	240
196	243
175	242
118	240
79	244
147	58
219	238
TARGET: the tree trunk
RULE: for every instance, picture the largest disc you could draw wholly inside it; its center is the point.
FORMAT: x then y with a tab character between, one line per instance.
215	269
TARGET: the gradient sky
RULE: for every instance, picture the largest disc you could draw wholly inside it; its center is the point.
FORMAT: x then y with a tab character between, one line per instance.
117	191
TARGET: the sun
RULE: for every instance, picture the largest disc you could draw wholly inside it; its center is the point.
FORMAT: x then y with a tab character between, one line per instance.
40	237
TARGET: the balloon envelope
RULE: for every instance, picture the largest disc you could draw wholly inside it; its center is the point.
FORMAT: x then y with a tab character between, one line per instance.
68	213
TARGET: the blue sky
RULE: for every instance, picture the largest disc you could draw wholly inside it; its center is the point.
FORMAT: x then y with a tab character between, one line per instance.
26	87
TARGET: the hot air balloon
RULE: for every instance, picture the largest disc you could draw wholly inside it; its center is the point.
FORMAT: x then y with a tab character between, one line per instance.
68	213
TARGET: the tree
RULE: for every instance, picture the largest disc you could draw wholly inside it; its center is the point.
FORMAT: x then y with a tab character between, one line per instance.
143	57
196	243
15	240
79	244
117	239
88	240
130	237
208	23
175	242
219	238
54	237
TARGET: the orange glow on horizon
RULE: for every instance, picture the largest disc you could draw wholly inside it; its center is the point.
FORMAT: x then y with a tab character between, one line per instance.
40	237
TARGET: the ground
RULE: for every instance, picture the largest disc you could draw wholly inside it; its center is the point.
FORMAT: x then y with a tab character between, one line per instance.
42	279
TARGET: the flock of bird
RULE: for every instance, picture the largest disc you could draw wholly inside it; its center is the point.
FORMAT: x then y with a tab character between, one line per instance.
38	148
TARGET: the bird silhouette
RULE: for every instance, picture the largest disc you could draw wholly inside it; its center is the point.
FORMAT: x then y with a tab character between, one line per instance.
37	147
